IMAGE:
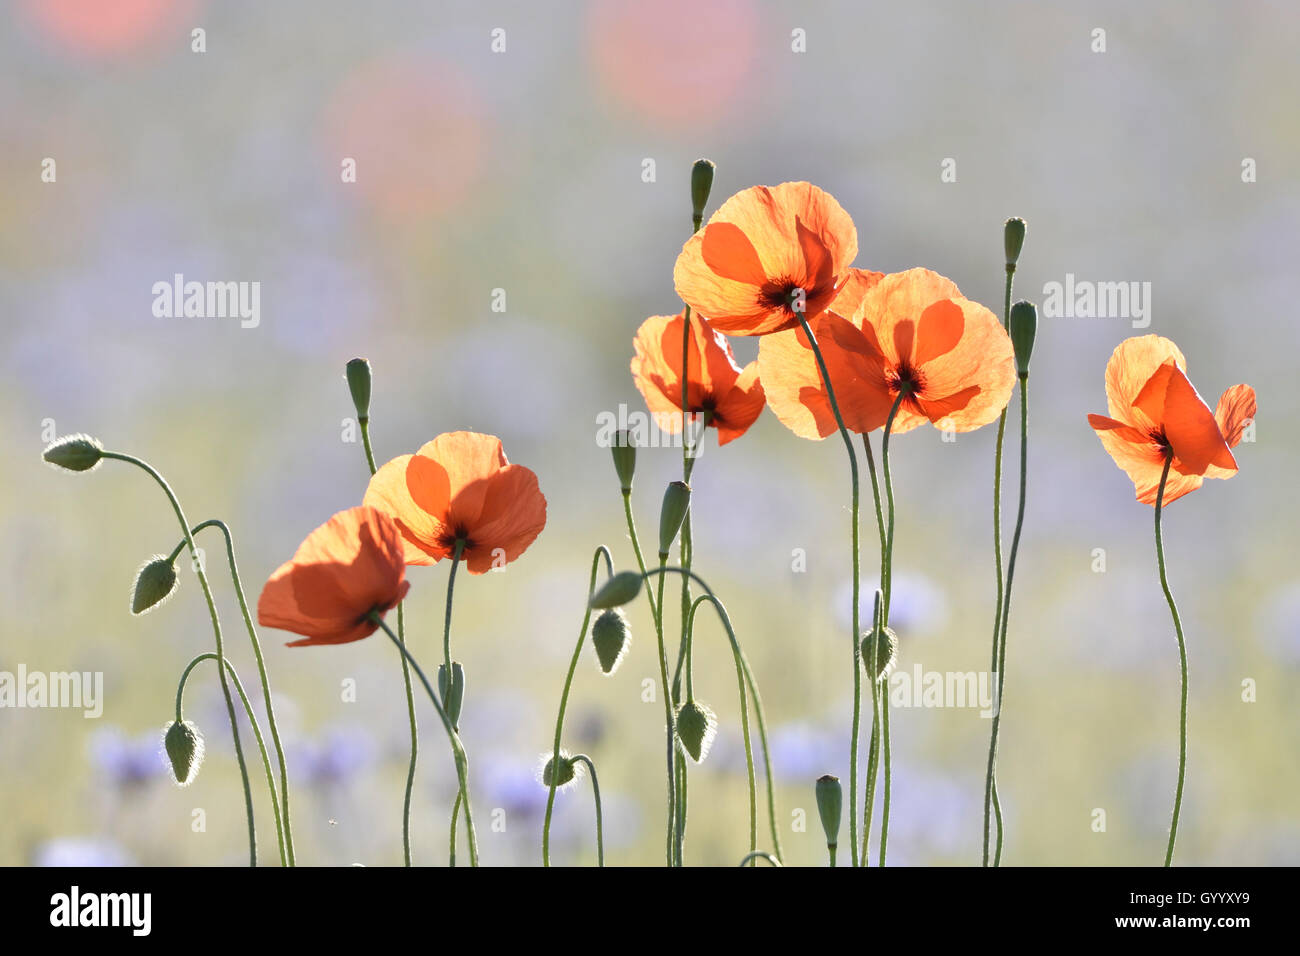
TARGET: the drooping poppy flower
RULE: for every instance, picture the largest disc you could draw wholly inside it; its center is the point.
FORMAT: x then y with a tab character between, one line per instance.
911	332
730	398
345	569
1155	412
460	488
764	253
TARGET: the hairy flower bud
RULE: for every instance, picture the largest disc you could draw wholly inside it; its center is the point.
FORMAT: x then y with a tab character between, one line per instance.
697	725
611	636
75	453
155	582
184	746
620	589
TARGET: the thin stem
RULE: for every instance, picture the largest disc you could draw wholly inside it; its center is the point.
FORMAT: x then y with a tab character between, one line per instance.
595	791
760	855
873	756
656	613
364	424
285	860
1006	600
686	556
457	749
873	753
262	675
1182	660
451	842
753	693
857	651
446	653
744	707
990	778
601	552
886	588
674	831
216	631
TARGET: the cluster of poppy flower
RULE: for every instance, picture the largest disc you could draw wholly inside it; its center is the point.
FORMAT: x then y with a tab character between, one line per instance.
842	349
769	255
458	495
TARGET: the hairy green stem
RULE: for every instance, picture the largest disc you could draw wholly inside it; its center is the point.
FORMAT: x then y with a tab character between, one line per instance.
1182	660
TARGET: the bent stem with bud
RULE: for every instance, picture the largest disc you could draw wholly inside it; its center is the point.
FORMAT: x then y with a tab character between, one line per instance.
601	552
286	858
216	630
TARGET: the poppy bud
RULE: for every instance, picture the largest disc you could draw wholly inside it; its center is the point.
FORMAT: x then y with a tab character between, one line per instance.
696	728
184	746
358	375
154	584
886	651
624	452
701	184
75	453
611	637
1013	239
1023	325
453	700
677	501
830	805
568	771
620	589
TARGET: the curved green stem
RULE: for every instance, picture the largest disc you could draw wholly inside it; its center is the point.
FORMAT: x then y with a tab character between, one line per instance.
886	590
857	651
446	654
457	749
216	630
990	778
656	611
1006	600
364	424
595	791
753	693
287	835
601	552
451	843
1182	660
285	860
760	855
744	707
873	753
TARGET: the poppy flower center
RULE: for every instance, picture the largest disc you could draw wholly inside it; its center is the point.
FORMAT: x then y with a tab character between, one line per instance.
785	295
907	380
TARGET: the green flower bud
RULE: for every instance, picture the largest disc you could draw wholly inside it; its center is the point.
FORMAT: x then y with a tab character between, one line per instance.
1013	239
154	584
453	701
830	805
696	728
620	589
886	651
677	501
1023	326
569	771
624	452
701	185
184	746
75	453
611	637
358	375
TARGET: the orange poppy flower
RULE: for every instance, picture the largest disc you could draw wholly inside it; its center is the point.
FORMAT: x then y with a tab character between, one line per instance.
460	488
348	567
907	331
765	250
730	398
1155	412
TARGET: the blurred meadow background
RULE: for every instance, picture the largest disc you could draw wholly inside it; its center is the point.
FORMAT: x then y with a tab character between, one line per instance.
524	170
